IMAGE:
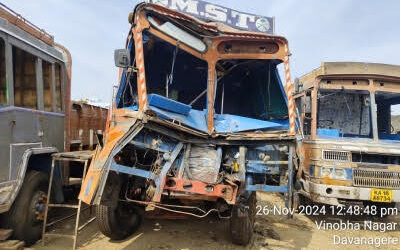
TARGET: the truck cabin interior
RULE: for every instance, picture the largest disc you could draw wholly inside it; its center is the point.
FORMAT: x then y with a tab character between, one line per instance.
173	74
348	114
388	115
344	114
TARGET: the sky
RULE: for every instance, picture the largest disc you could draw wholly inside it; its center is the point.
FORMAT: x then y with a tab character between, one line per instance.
317	31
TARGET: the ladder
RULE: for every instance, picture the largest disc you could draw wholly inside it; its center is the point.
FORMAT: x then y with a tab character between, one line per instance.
76	156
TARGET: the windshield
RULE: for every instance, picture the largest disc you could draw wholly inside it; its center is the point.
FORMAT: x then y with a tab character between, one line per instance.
388	115
250	88
344	114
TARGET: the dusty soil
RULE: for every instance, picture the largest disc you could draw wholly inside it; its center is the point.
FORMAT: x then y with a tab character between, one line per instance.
271	232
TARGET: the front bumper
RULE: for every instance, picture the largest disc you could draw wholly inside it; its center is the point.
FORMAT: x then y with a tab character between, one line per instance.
331	194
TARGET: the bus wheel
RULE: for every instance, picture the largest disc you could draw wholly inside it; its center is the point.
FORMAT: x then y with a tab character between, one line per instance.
27	213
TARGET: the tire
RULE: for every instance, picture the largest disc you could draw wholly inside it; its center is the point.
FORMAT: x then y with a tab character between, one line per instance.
117	219
242	220
26	214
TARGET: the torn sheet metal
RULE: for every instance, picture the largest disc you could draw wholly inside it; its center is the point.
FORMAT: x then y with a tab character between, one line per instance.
215	13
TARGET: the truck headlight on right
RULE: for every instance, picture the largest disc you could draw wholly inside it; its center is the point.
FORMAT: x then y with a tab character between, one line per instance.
333	173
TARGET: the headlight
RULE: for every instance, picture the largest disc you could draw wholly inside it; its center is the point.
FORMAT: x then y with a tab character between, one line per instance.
326	171
333	173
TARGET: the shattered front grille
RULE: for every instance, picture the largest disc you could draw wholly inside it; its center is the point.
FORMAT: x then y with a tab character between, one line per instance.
336	155
379	179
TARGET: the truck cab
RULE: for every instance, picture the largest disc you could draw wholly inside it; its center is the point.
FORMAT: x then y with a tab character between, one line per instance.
200	119
349	114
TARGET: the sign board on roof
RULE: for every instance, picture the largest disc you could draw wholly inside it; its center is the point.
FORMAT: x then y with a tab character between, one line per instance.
211	12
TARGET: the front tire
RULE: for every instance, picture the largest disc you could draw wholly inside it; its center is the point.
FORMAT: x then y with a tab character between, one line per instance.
242	220
26	214
118	223
117	219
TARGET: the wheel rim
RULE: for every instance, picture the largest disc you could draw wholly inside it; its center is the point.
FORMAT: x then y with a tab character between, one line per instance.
38	207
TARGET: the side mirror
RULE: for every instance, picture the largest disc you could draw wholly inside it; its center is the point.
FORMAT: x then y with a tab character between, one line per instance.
122	58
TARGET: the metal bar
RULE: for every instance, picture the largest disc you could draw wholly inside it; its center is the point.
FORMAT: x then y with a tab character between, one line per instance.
9	73
160	181
39	84
242	168
65	217
59	235
373	108
290	177
268	162
145	145
261	169
182	165
79	211
86	223
267	188
48	201
53	88
131	170
63	205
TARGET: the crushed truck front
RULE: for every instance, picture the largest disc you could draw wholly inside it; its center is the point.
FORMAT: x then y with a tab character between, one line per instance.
200	121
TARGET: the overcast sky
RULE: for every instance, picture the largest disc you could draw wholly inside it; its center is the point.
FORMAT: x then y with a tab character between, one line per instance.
340	30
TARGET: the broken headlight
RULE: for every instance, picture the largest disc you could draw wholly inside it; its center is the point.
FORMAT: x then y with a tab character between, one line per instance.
333	173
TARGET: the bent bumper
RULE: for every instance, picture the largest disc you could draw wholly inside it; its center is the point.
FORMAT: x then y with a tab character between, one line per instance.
331	194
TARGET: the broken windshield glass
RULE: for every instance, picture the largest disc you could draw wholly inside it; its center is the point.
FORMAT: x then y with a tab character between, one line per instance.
173	73
344	114
250	88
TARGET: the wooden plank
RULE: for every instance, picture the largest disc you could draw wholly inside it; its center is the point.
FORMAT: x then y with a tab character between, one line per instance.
12	245
5	234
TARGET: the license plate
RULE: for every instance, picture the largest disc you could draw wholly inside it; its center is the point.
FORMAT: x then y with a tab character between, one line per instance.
381	195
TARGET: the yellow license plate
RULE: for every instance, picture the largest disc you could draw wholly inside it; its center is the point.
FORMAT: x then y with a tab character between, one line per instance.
381	195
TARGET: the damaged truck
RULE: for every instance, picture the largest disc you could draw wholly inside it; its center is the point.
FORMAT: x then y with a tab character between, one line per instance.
350	155
200	120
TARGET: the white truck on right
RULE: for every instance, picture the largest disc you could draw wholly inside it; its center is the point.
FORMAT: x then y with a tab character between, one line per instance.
350	155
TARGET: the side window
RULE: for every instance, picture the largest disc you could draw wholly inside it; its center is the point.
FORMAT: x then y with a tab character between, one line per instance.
395	119
47	86
58	73
3	83
24	68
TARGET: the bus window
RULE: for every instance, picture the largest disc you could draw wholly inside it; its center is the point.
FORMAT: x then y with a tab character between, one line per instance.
3	83
47	86
24	68
58	87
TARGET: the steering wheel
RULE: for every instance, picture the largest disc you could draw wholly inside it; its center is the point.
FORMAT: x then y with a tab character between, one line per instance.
325	123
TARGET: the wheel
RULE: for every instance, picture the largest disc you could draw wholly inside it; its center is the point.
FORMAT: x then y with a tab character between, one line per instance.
27	213
117	219
242	220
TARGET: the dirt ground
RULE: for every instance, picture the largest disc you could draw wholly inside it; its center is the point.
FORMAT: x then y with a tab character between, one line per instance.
271	232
